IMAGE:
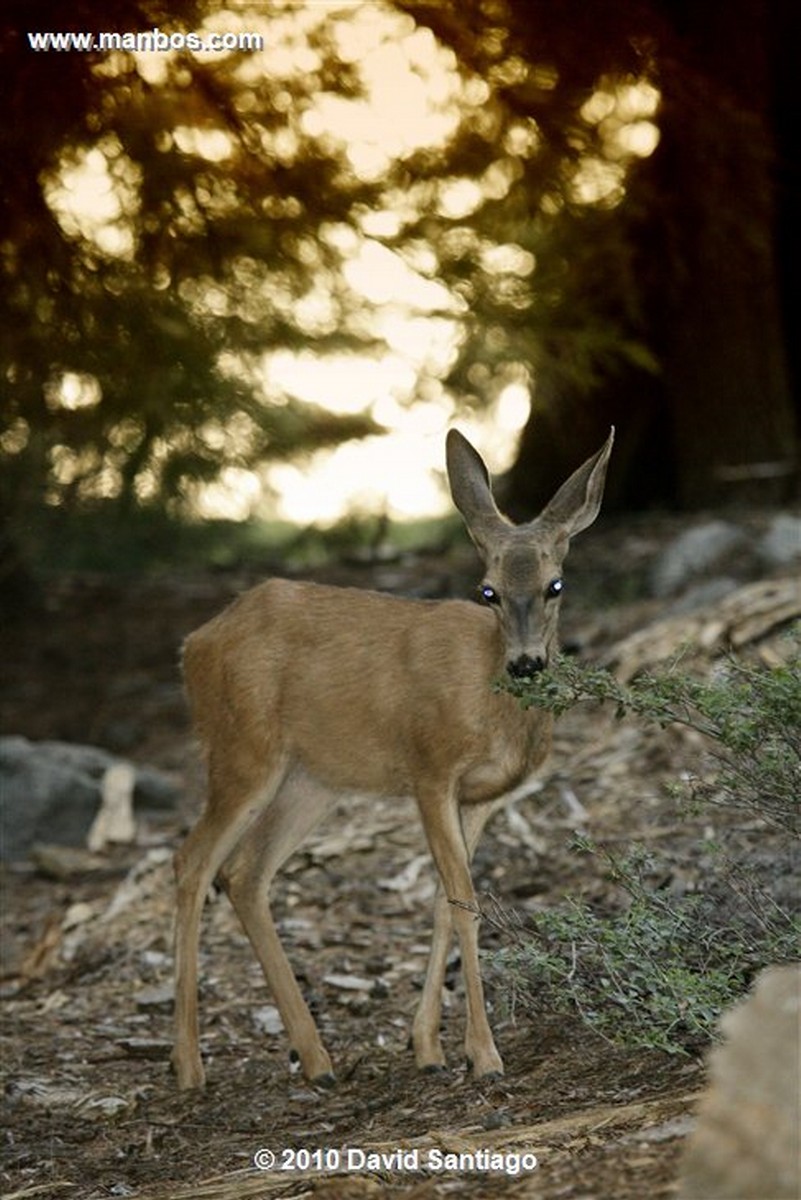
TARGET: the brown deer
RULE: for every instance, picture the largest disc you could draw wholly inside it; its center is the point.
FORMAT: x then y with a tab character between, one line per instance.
301	694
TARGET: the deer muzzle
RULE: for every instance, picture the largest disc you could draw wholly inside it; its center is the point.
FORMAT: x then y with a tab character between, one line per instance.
526	666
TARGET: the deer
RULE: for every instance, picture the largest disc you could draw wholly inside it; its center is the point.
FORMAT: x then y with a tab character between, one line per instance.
302	694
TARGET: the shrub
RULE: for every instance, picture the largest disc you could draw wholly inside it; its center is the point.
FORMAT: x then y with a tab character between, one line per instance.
655	975
658	973
750	715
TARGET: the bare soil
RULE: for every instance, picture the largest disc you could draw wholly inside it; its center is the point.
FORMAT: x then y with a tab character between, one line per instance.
90	1108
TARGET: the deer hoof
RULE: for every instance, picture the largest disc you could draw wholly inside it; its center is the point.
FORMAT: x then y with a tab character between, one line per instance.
491	1072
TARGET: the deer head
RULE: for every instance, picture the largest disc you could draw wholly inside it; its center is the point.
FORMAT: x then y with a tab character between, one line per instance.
523	563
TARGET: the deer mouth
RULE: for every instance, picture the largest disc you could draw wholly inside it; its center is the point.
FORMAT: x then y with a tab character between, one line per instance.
526	667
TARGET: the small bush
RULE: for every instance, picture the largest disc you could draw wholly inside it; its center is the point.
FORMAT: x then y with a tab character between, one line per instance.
658	973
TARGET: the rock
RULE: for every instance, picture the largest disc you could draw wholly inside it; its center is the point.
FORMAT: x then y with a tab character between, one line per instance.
349	983
105	1108
114	821
153	789
145	1047
160	996
780	546
267	1019
44	796
694	553
702	595
746	1143
50	1096
64	862
50	792
43	1093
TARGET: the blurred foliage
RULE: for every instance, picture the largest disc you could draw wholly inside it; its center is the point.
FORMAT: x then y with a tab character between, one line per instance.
641	155
155	319
150	538
599	188
560	90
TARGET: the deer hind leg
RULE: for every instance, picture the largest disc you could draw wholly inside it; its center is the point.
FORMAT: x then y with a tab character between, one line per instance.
233	804
297	807
452	839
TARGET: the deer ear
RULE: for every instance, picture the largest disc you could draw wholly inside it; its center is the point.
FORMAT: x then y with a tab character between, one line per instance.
471	490
578	501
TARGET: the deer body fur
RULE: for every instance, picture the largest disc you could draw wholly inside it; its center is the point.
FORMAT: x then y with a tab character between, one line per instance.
247	676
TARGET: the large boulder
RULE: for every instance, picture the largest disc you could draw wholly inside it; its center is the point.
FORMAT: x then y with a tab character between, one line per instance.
746	1145
781	544
698	553
51	792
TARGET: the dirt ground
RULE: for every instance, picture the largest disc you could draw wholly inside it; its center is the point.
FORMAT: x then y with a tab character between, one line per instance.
90	1109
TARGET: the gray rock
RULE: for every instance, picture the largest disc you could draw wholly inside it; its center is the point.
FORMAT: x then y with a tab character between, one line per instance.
50	792
44	797
159	996
701	595
693	554
781	544
267	1019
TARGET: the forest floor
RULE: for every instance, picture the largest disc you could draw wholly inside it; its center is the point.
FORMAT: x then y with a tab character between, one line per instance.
90	1107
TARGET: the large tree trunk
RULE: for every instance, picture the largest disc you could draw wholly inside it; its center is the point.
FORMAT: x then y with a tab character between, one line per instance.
717	423
722	341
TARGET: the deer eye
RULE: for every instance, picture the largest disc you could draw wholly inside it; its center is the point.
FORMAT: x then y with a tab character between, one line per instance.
554	588
488	595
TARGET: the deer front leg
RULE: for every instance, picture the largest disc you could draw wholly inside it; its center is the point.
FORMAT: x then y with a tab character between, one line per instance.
426	1040
451	847
428	1052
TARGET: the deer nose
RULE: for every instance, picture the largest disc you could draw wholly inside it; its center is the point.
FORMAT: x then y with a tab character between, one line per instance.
525	666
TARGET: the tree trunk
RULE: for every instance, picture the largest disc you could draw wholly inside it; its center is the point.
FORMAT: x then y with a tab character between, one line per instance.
721	340
717	423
